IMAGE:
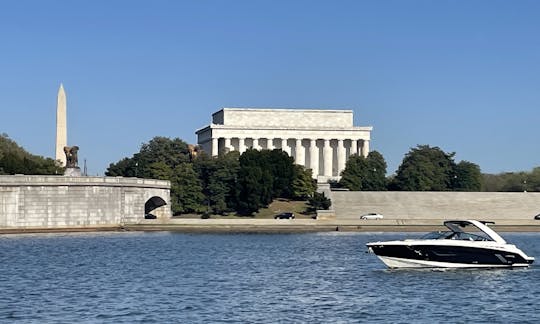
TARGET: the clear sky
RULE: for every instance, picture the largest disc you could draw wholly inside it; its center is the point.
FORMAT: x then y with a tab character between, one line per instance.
461	75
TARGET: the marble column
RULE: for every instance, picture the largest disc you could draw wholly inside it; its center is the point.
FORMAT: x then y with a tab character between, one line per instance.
227	147
314	157
327	158
256	144
214	146
299	152
284	146
365	148
241	145
354	147
340	156
270	143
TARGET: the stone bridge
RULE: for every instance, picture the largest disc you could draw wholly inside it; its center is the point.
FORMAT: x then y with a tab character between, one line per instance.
30	201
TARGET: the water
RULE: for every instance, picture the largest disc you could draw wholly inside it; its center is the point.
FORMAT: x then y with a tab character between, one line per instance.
247	278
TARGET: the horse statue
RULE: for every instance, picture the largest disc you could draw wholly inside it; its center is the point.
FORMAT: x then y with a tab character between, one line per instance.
72	160
193	151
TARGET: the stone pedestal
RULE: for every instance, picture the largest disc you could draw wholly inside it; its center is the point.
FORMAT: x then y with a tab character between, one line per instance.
72	172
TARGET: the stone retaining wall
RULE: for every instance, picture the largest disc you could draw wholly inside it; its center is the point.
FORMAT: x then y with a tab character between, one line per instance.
58	201
437	205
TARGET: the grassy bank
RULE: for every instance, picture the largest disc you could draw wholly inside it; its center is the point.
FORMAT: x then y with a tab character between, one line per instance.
276	207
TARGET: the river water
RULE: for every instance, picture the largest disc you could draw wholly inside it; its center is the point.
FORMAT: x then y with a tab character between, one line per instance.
165	277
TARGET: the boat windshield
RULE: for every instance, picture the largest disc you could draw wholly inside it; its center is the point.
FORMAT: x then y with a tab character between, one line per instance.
449	235
439	235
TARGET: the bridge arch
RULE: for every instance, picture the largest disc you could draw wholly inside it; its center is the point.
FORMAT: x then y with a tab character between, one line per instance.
153	203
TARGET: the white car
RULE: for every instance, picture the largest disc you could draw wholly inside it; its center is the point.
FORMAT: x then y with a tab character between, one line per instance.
372	216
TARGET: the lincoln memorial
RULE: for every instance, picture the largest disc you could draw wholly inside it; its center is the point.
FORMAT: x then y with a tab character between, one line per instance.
321	140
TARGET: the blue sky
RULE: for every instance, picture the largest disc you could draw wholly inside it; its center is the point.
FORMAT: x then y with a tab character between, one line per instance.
461	75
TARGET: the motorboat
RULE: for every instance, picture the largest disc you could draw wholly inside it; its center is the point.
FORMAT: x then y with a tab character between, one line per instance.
467	244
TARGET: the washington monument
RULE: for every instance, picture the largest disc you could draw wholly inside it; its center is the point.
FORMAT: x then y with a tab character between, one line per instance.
61	126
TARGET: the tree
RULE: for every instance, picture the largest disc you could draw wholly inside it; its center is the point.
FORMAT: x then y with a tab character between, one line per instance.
218	178
254	187
249	190
425	168
364	173
467	177
282	169
303	185
160	170
127	167
512	181
170	152
354	173
16	160
186	190
533	180
375	179
319	202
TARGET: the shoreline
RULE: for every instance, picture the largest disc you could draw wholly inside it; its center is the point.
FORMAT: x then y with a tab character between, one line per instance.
277	226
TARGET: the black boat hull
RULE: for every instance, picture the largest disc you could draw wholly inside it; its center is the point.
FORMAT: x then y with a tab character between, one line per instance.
426	255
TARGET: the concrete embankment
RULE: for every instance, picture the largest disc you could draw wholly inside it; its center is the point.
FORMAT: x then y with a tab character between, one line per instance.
310	225
250	225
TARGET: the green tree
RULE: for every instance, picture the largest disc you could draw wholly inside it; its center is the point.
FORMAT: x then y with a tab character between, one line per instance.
512	181
282	169
467	177
160	170
218	178
375	179
254	187
303	185
127	167
249	190
533	180
16	160
319	202
354	173
186	190
425	168
364	173
170	152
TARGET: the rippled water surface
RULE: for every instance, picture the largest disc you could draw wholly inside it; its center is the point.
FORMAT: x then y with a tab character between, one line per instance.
247	278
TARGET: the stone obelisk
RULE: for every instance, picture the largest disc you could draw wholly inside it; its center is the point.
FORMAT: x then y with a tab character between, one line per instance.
61	126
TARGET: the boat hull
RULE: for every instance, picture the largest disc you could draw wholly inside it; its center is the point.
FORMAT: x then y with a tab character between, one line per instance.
449	256
399	263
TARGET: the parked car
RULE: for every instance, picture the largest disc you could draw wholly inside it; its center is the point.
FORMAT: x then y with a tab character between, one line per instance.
284	216
537	216
372	216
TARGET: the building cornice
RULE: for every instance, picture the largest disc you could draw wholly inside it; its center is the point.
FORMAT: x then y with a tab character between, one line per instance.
296	110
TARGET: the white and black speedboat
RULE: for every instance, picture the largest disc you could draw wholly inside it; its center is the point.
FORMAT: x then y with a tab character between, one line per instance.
481	247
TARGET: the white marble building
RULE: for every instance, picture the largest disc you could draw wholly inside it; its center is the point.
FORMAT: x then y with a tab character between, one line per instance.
318	139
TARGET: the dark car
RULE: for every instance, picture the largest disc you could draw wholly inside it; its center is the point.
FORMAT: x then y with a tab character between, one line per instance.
537	216
150	216
284	216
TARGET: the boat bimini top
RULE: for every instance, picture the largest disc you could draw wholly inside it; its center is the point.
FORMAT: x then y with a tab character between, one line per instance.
458	231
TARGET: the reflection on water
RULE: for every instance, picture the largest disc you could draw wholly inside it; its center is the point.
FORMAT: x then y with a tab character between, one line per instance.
264	278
